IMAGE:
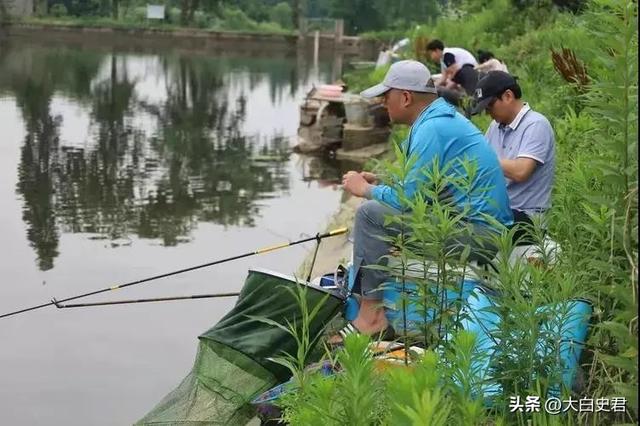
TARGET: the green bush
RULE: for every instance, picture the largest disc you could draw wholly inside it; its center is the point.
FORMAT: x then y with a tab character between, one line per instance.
282	15
385	37
201	19
237	20
138	14
367	393
271	27
361	79
83	7
172	15
58	10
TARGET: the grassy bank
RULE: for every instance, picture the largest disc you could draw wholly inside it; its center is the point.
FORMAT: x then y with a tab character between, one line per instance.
589	93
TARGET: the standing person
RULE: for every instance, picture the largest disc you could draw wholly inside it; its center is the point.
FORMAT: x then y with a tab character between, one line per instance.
523	140
438	134
456	64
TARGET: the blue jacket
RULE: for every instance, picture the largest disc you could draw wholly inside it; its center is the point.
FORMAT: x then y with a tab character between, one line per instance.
441	133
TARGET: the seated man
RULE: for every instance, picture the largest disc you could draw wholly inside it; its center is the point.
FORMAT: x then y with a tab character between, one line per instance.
524	142
456	64
439	133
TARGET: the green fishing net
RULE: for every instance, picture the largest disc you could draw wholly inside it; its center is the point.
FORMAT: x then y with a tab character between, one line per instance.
233	363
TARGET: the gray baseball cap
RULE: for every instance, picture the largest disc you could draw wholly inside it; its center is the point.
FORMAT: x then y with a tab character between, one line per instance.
405	75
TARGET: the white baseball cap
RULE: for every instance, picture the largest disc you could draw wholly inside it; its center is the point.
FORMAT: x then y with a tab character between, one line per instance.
405	75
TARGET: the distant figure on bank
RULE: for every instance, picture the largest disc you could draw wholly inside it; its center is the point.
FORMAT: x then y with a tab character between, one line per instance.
488	62
457	66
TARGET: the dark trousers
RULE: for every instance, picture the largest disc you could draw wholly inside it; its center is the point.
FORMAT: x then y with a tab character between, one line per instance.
370	247
523	235
467	77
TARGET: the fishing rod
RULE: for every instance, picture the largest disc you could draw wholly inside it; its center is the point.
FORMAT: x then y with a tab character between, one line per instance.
263	250
157	299
313	261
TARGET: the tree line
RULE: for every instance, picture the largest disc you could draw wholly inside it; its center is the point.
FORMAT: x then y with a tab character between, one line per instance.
359	15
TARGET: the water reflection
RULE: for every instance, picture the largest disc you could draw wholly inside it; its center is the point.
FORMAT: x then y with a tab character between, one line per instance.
326	171
38	160
164	144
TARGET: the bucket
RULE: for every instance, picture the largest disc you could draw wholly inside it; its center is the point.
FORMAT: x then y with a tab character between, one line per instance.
564	336
357	111
395	304
480	317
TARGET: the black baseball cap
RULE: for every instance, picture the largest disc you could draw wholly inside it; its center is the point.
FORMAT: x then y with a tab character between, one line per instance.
490	87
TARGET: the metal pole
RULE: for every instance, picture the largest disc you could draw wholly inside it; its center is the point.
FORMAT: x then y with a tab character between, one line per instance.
316	47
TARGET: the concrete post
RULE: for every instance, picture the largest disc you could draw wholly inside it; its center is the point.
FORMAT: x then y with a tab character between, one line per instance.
339	31
302	28
336	69
316	47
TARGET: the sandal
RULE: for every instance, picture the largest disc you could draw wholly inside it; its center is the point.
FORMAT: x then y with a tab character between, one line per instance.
384	335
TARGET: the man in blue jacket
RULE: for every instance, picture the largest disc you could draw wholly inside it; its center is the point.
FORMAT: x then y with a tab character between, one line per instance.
438	134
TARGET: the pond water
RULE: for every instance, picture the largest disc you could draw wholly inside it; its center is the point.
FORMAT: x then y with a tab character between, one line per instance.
118	163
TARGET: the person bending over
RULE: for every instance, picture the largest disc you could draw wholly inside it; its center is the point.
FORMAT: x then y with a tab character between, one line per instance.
457	66
488	62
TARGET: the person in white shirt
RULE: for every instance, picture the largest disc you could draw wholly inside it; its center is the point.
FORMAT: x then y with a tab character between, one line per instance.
488	62
457	66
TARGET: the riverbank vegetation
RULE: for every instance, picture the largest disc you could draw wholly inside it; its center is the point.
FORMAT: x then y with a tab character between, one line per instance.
234	17
577	64
270	16
382	20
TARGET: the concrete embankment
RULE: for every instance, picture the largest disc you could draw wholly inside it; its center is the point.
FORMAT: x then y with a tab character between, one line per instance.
189	37
154	34
334	250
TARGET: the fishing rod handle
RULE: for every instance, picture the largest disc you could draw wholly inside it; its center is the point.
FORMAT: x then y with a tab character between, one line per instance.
335	232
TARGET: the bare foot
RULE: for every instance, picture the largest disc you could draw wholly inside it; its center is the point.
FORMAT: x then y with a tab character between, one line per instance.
371	320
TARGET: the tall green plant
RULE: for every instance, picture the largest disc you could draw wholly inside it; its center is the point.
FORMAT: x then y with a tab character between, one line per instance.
354	396
593	218
609	202
300	332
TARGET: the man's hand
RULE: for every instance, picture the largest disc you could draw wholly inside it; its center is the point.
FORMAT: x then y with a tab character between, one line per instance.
356	184
369	177
447	75
452	85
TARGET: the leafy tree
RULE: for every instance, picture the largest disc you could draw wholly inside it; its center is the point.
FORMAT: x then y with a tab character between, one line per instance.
358	15
281	14
58	10
363	15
